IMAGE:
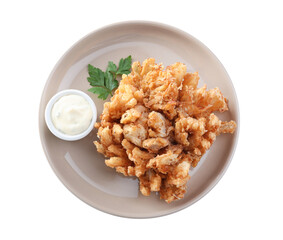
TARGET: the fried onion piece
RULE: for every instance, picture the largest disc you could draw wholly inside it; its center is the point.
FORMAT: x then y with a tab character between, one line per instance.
158	125
135	133
140	159
170	192
149	182
120	164
155	144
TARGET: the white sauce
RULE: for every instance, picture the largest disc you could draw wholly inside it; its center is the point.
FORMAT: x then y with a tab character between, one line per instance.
71	114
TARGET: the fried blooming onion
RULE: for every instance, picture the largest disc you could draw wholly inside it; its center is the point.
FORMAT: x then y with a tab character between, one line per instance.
158	124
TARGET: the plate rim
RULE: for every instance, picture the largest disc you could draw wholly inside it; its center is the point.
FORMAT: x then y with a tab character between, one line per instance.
184	34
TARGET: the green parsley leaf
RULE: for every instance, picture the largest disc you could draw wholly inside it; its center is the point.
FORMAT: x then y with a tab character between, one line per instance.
96	76
101	91
124	65
110	82
104	83
111	67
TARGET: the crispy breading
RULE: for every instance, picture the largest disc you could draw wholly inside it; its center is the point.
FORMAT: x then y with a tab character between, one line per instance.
105	135
135	133
132	114
115	162
158	125
163	162
155	144
180	174
170	192
140	158
149	182
117	133
127	145
117	150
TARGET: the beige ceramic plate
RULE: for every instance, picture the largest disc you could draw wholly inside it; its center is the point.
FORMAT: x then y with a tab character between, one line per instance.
81	168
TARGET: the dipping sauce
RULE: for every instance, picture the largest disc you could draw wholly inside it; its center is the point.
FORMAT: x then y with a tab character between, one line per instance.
71	114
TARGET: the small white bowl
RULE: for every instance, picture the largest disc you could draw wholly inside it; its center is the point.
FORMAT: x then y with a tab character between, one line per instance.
50	124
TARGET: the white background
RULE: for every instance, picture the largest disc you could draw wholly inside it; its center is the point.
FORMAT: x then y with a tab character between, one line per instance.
247	37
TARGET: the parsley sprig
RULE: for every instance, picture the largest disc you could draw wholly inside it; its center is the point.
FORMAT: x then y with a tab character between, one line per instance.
104	83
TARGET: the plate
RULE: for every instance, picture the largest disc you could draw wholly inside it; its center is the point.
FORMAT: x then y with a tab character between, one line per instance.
81	168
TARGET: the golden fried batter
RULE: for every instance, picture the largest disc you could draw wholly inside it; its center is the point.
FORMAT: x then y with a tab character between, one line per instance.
158	124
